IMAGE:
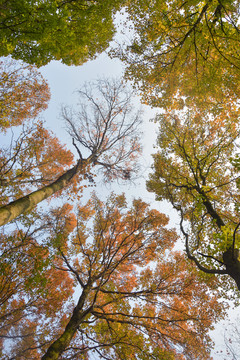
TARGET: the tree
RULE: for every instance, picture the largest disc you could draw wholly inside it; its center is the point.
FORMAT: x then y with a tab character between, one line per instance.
195	170
184	47
125	306
33	294
34	158
106	129
70	31
23	93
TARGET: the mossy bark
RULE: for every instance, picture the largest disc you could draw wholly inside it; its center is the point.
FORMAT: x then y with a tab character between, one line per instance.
59	345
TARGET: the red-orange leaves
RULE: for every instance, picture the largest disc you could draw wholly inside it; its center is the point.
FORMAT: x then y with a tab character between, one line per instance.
106	132
46	153
135	301
130	299
36	157
23	92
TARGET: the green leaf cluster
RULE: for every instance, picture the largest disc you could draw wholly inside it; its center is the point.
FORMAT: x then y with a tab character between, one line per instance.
71	31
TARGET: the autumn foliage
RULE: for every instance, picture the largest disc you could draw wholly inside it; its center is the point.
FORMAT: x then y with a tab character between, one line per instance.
23	93
34	158
33	294
104	279
131	294
187	48
106	137
195	170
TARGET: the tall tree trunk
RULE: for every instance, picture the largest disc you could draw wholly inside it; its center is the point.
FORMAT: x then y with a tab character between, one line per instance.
59	345
28	202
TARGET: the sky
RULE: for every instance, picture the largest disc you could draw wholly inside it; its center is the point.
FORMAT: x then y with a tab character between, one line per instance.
64	81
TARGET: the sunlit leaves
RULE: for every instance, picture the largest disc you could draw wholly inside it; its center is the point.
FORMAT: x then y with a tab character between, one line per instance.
188	48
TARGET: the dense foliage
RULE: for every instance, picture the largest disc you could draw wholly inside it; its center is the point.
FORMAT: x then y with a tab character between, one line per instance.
195	170
184	47
104	278
71	31
129	297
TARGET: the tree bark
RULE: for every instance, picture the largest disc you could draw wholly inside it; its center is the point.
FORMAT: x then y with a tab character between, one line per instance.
230	259
26	203
59	345
230	256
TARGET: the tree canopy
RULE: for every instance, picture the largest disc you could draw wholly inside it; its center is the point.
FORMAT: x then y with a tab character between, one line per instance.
71	31
184	47
23	93
33	158
105	130
195	169
130	299
104	279
33	294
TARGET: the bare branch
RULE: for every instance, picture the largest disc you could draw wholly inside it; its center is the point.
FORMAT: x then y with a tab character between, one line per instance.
106	127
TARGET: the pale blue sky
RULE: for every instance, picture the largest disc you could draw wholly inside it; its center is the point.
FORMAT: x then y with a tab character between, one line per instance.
65	80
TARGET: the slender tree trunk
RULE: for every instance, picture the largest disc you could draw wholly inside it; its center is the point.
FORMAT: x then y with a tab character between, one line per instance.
28	202
59	345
